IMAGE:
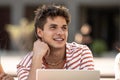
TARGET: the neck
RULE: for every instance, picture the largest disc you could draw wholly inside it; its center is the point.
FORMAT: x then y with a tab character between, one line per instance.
56	55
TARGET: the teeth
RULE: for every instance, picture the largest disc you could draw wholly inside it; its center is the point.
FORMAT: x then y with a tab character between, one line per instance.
59	39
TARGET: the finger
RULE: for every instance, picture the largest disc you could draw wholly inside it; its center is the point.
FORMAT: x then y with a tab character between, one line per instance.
48	53
2	75
38	40
7	77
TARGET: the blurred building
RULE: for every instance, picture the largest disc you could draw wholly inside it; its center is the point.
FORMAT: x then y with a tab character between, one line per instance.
102	15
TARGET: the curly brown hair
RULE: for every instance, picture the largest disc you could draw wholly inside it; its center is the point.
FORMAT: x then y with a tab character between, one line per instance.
42	13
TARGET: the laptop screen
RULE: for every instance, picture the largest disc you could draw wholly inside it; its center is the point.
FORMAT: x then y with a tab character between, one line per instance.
62	74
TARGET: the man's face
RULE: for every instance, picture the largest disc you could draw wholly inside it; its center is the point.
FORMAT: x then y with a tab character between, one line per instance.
55	32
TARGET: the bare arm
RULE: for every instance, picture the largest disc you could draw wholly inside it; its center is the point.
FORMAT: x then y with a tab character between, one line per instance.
39	51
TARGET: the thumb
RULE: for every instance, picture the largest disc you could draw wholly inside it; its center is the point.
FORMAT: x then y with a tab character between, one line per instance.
47	53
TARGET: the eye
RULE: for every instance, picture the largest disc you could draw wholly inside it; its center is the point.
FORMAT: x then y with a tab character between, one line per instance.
65	28
52	26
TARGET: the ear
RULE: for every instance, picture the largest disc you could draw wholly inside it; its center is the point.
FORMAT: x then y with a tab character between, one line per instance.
39	32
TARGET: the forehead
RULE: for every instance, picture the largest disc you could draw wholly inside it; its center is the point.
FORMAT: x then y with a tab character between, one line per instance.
57	19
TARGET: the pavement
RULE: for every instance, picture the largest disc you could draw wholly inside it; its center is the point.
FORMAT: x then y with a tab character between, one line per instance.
104	64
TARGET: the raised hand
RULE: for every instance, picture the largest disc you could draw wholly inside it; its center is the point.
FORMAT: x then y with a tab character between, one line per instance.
41	48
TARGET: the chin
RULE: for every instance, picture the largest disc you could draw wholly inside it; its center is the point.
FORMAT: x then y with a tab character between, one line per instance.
60	46
57	44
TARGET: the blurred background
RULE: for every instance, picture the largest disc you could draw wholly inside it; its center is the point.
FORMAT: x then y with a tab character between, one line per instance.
95	23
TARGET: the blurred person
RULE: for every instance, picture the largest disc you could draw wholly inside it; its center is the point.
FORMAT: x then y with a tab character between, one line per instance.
4	76
4	39
84	36
51	49
117	62
85	31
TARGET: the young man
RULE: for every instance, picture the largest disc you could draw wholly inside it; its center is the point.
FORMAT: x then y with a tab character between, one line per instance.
51	50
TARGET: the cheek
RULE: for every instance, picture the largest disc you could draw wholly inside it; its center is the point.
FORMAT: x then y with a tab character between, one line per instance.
66	34
48	34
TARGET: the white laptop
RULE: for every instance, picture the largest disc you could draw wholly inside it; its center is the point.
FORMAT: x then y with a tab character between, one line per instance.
62	74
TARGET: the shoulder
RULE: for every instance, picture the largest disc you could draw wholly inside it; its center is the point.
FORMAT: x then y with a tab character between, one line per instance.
77	49
26	59
75	45
118	56
28	55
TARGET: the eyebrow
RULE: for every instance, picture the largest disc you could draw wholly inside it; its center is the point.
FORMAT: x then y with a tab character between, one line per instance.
56	25
53	24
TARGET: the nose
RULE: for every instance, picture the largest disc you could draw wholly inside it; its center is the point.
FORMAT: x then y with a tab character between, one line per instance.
60	31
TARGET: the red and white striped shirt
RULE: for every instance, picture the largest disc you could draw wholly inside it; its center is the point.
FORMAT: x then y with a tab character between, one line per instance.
77	57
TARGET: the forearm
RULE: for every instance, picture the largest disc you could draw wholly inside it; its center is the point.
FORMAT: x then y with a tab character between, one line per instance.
36	64
40	49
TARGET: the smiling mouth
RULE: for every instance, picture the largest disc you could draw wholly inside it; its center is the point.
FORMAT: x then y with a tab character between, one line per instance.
58	39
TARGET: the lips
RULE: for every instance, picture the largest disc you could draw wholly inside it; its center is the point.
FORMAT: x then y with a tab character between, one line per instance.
58	39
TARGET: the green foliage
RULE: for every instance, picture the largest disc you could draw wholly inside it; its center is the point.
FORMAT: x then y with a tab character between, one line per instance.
98	47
